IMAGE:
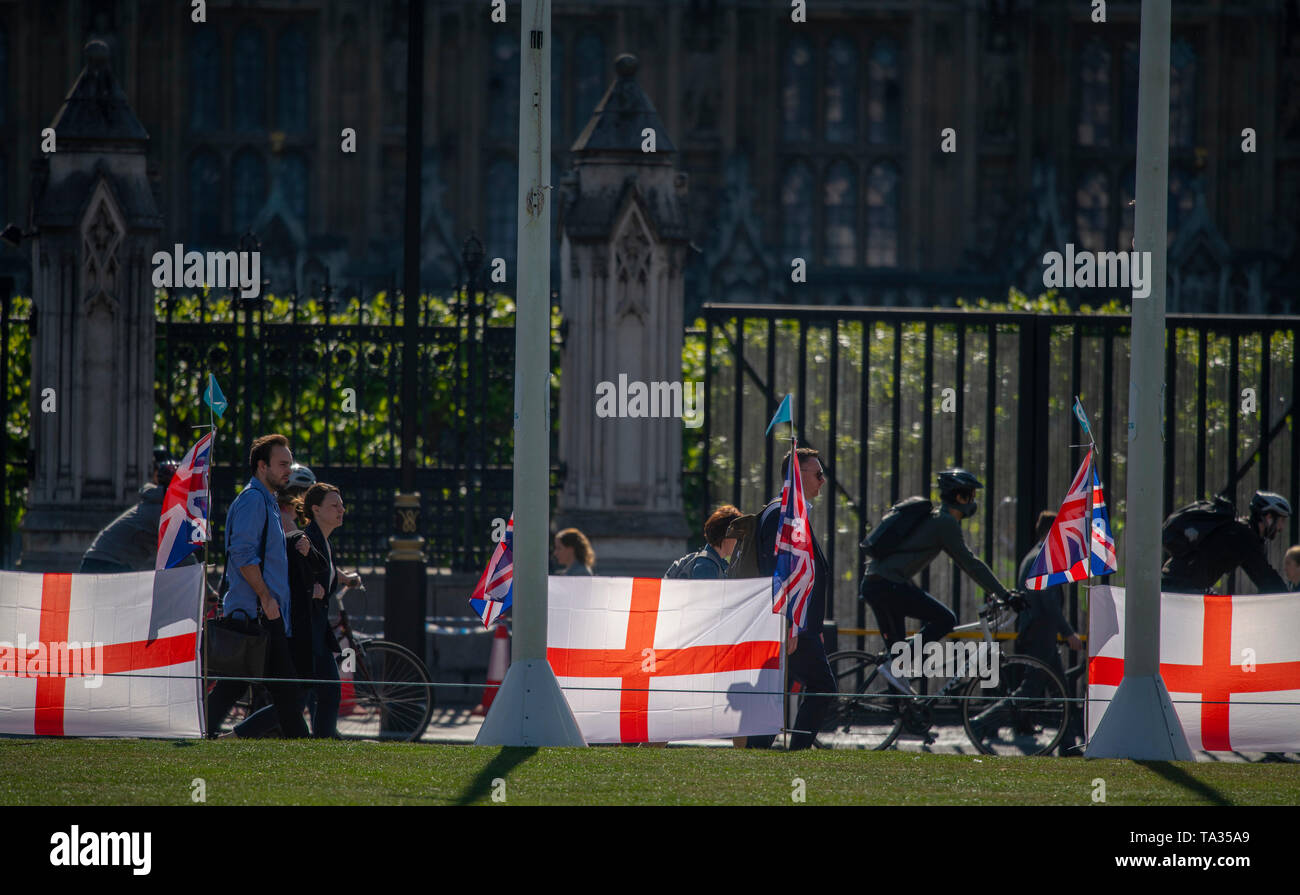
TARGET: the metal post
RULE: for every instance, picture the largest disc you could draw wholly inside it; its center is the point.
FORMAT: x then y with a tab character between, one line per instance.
405	585
530	709
1140	722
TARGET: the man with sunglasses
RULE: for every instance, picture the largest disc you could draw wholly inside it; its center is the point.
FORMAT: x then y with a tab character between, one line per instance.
806	661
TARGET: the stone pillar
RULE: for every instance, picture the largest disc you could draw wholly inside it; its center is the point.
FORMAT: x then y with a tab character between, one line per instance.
623	249
93	333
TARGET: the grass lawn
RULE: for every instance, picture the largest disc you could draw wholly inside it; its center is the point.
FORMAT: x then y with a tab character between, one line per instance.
144	772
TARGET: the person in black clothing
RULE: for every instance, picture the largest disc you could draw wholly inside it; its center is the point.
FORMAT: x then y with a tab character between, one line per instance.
1242	542
324	510
1041	620
807	654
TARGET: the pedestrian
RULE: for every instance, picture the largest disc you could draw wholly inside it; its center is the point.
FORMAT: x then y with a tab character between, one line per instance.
130	542
257	575
1291	567
711	561
806	652
1039	623
573	552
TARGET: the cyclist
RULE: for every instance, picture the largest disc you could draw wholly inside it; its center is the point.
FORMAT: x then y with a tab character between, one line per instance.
130	542
886	583
1237	543
300	479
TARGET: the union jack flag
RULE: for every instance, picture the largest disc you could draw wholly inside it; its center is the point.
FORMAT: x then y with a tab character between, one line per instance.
495	589
792	581
183	524
1068	553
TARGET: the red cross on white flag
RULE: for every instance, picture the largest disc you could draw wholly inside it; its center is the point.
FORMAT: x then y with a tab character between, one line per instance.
644	641
1231	666
76	658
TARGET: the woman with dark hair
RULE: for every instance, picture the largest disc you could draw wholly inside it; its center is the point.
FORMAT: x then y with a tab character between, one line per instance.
322	507
573	552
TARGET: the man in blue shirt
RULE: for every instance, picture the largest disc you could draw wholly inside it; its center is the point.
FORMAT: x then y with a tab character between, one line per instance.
258	579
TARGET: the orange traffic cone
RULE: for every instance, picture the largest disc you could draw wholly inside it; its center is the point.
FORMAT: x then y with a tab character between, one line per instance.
498	662
347	693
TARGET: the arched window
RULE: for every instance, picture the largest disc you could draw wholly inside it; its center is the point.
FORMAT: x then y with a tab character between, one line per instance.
1094	94
248	172
205	80
796	212
503	89
1092	210
588	78
841	197
1182	94
841	101
502	217
293	184
797	102
250	79
1127	193
882	215
291	80
884	94
205	199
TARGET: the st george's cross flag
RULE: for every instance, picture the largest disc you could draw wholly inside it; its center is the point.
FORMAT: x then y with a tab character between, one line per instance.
793	577
1231	665
183	524
1080	543
76	658
496	586
653	660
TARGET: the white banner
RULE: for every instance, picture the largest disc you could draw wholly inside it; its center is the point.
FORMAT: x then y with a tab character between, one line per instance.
1230	665
644	640
77	658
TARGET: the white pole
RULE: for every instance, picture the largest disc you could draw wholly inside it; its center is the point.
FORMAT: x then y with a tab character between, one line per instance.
530	709
1140	722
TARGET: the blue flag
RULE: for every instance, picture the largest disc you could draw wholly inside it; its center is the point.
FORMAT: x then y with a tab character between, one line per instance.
1083	417
782	415
214	398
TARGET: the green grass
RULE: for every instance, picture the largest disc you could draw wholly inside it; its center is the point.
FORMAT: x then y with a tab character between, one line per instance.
103	772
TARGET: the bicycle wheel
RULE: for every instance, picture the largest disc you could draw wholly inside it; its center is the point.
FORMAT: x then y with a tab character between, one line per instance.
864	715
1024	713
389	699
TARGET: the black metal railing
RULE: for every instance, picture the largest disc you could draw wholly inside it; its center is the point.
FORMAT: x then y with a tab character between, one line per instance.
868	387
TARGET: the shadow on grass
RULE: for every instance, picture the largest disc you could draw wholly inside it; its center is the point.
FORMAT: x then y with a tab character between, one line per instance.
505	761
1179	777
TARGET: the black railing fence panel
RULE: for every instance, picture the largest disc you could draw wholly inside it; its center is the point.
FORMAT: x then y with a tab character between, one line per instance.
870	385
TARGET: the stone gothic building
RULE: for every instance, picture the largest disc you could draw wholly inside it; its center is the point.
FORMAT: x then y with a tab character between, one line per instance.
818	140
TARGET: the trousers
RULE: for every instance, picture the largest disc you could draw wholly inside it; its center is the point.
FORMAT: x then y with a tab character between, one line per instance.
286	697
809	667
893	602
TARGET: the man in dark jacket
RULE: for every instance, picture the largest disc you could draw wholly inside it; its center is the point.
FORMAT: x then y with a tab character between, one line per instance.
1241	542
130	542
806	661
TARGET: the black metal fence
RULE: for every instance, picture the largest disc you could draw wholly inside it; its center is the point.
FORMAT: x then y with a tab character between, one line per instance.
869	393
15	416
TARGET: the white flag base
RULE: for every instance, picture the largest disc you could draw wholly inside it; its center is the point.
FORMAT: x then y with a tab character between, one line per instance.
1140	724
530	710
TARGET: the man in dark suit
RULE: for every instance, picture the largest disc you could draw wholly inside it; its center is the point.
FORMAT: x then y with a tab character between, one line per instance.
806	654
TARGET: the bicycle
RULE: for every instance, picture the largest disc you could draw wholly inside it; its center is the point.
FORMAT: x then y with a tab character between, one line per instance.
385	689
1027	703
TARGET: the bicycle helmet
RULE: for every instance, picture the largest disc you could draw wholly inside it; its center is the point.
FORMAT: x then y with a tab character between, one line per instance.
955	480
1269	502
300	477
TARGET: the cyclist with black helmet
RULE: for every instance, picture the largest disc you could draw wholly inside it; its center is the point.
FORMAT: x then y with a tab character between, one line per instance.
887	586
1236	543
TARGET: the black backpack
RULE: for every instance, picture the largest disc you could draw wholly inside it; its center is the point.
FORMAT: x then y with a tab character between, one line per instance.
898	522
1187	528
744	558
682	567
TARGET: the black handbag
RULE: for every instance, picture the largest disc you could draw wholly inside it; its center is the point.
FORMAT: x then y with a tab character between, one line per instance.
235	647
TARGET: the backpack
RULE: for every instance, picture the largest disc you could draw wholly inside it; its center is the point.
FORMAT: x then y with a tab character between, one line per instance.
899	521
682	567
1187	528
744	558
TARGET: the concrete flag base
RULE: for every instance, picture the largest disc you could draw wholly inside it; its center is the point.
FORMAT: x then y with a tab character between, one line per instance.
1140	724
530	710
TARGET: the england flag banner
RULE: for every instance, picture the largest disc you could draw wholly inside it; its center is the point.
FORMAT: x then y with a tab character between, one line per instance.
1231	665
76	658
625	649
